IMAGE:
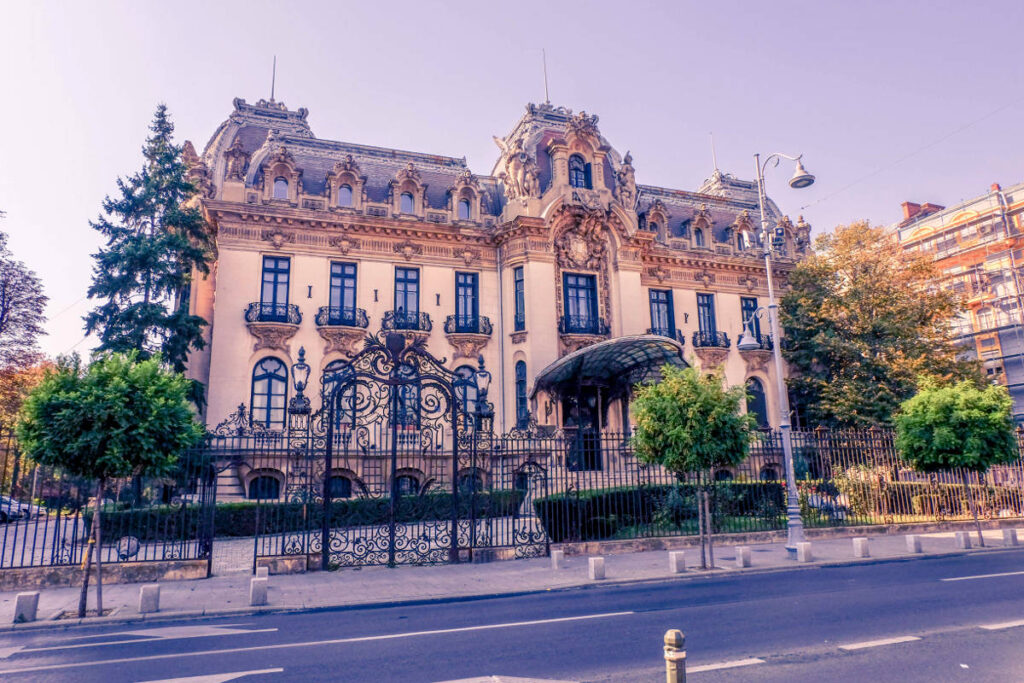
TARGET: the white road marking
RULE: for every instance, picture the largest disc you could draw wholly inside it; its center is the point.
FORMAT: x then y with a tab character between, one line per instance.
724	665
314	643
981	576
217	678
1005	624
878	643
146	636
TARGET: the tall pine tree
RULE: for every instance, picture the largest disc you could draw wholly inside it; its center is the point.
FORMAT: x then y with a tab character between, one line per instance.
155	236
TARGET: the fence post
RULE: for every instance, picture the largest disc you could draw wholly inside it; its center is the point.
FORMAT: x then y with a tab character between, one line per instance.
675	656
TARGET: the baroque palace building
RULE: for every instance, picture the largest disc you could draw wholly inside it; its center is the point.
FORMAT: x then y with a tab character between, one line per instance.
319	242
977	246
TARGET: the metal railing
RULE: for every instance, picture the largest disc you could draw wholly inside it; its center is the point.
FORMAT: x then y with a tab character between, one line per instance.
582	324
260	312
329	316
711	339
467	324
676	334
406	320
764	342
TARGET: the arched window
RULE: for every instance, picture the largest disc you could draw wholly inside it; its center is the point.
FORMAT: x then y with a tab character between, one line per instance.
464	210
684	229
769	473
698	237
264	487
578	176
741	241
471	481
406	203
406	485
522	411
756	403
280	188
723	475
269	391
335	374
341	487
465	393
344	196
652	226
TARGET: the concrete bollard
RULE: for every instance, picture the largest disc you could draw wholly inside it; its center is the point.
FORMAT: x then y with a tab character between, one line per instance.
675	656
803	552
25	607
676	561
258	592
913	543
743	557
262	572
963	540
149	598
1009	537
557	559
860	547
596	568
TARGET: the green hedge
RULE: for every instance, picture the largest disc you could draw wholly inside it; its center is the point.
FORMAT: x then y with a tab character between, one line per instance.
247	519
651	510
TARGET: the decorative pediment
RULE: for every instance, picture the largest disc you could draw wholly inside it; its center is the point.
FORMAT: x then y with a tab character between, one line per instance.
408	249
583	126
409	173
345	173
702	218
580	241
467	180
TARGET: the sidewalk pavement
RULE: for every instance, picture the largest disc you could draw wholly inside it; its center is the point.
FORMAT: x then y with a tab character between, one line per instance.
227	595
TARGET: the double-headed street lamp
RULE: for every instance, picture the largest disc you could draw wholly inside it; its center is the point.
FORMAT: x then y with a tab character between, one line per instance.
748	342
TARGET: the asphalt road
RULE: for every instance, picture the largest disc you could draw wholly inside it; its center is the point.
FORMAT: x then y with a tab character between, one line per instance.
807	624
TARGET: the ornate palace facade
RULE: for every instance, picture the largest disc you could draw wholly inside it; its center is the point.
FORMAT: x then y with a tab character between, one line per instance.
319	242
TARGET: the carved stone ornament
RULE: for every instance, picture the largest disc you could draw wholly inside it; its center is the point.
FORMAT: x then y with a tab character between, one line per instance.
409	173
467	345
582	244
281	156
520	177
344	244
272	335
518	337
582	125
278	238
237	161
625	183
756	360
704	277
408	249
659	273
469	256
348	342
711	356
575	342
702	219
748	281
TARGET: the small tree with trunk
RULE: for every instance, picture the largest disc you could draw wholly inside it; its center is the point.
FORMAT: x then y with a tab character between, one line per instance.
118	417
690	424
957	426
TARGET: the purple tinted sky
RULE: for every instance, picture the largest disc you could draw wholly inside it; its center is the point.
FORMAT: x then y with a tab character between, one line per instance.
853	86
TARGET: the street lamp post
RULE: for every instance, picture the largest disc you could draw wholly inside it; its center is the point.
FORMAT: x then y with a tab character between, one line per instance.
801	178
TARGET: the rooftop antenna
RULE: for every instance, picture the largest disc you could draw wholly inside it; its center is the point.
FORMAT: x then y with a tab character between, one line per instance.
714	156
273	79
544	57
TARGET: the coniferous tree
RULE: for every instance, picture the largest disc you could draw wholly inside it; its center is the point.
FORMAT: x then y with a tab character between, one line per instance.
155	236
21	312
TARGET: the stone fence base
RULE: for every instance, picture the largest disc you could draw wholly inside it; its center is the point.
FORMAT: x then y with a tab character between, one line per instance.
63	576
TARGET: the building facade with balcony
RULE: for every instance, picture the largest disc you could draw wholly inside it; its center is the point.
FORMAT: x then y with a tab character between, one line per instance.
977	247
319	242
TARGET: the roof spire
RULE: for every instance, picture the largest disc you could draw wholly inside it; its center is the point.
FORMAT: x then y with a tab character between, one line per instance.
273	79
544	58
714	156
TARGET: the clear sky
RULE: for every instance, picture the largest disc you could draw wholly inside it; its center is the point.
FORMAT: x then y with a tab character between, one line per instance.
854	86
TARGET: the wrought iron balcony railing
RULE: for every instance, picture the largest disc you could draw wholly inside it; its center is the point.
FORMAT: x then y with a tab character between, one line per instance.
764	342
467	324
260	312
330	316
582	324
676	334
711	339
406	320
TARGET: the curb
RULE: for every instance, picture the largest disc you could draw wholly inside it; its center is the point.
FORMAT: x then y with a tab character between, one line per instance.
52	624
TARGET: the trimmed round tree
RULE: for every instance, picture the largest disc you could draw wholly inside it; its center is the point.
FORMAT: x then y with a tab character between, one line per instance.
690	423
958	426
118	417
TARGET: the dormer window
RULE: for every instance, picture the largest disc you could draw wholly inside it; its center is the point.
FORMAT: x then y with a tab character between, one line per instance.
698	237
579	172
406	203
344	196
653	227
464	210
684	229
280	188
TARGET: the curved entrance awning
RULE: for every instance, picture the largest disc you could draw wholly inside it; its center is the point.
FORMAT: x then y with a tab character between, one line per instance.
615	364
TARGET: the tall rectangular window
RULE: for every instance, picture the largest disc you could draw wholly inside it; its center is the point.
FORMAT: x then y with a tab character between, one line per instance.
407	297
580	303
662	318
748	308
519	295
466	302
343	294
706	314
274	288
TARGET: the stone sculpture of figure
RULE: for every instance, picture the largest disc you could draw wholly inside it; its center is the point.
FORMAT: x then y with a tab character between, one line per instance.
237	159
531	180
625	183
